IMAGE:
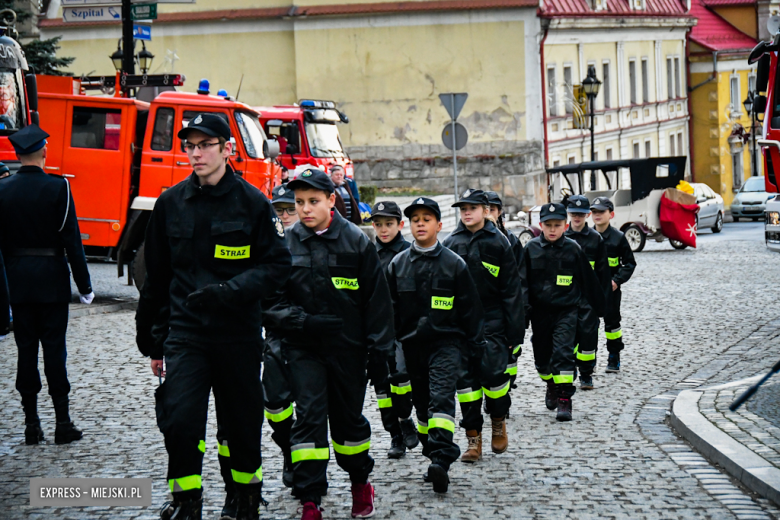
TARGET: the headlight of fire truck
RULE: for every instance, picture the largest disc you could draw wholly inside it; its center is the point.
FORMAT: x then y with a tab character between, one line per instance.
773	218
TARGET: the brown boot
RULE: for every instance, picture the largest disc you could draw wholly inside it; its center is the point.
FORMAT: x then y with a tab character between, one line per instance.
474	451
500	441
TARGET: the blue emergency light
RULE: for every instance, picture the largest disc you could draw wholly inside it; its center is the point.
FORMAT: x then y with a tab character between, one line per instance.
222	93
203	87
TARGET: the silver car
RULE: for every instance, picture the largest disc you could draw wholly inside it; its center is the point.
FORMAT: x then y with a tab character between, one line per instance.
711	209
750	200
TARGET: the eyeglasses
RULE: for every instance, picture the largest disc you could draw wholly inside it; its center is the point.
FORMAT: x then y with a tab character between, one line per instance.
202	146
282	211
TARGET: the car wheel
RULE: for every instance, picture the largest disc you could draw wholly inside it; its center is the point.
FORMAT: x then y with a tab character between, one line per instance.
677	244
635	237
718	227
525	237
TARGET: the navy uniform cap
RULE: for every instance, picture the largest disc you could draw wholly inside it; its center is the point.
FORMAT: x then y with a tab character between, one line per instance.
494	199
312	178
423	202
28	140
602	204
477	197
210	124
552	212
283	194
386	208
578	204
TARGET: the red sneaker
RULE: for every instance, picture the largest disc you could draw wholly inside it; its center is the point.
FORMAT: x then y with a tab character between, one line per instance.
363	500
311	512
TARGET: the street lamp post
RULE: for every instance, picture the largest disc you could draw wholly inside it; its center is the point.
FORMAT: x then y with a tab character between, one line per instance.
748	104
144	59
591	85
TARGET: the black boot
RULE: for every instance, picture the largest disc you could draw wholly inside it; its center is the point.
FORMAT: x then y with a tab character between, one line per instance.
287	470
438	476
66	432
564	410
397	448
249	503
551	397
191	509
33	434
230	509
409	431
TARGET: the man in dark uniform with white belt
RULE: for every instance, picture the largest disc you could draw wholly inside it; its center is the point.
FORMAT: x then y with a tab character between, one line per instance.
39	237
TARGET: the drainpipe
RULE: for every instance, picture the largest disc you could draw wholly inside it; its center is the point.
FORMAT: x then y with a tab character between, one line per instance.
714	68
690	102
544	107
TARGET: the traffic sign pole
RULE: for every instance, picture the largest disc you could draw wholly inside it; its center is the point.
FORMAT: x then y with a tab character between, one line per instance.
454	154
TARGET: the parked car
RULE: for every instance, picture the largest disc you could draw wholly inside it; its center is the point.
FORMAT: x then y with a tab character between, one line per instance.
711	209
750	200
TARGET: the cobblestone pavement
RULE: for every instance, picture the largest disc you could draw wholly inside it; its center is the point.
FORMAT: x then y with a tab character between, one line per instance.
690	318
766	404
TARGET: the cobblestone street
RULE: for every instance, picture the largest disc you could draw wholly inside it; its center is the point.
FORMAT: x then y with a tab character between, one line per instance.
691	317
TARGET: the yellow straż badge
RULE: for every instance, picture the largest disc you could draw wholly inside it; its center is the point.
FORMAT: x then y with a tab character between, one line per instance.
441	303
614	262
564	280
231	253
492	269
346	283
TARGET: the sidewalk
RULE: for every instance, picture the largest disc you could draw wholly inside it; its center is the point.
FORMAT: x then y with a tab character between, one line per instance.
745	443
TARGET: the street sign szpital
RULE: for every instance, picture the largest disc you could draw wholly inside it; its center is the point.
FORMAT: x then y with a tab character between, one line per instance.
143	12
91	14
461	136
453	102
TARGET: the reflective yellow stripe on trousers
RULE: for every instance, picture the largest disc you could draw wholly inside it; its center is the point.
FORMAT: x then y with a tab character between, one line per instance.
497	392
401	389
308	451
617	334
248	478
351	447
223	449
443	421
422	427
564	377
383	401
278	415
184	483
468	395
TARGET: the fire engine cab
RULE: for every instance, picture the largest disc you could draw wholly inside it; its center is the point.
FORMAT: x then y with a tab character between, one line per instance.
307	134
120	154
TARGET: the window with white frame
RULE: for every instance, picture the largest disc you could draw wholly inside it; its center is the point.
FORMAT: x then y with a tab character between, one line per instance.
568	94
645	82
677	78
552	94
632	81
572	158
669	78
735	97
636	150
648	148
680	149
671	145
609	154
605	84
737	169
752	82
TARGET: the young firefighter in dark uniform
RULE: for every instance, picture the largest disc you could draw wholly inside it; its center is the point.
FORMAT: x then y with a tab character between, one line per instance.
439	323
556	275
578	208
492	265
496	206
391	382
338	313
214	248
621	264
38	228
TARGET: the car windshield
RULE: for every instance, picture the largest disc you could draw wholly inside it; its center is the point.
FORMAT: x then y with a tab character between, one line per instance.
324	140
754	184
11	106
251	134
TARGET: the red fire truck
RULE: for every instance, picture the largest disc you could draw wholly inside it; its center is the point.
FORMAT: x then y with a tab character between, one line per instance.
120	153
307	134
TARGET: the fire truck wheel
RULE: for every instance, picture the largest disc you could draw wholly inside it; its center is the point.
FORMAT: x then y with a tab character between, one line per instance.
138	268
636	238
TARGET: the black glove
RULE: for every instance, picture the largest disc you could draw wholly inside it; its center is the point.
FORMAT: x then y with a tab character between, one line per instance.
210	297
324	324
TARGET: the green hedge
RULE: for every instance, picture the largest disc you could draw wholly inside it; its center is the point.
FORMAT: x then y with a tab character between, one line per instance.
368	194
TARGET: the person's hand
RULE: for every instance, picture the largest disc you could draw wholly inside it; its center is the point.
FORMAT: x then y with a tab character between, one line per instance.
324	324
157	367
86	299
208	297
614	286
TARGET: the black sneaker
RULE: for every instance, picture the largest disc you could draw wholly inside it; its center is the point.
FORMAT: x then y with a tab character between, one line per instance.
230	509
438	476
409	431
397	448
586	382
564	410
550	398
613	362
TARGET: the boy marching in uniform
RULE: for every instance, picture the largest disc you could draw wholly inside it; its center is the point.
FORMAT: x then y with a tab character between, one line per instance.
621	264
492	265
592	244
391	381
439	323
557	276
336	311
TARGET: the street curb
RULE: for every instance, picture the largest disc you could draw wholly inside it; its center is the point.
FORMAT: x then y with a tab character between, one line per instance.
89	310
740	462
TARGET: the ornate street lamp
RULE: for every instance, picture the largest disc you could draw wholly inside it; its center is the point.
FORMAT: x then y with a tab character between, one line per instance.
117	57
145	59
591	85
748	104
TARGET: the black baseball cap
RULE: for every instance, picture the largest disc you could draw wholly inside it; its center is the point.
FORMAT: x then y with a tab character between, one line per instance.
28	140
386	209
209	124
578	204
602	204
494	199
472	197
312	178
552	212
283	194
423	202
